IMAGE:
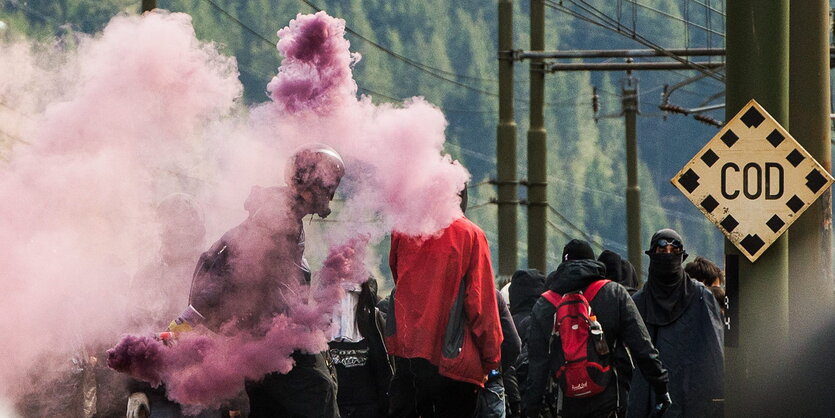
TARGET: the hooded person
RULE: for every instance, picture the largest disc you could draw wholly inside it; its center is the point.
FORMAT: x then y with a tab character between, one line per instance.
526	286
622	327
685	324
620	270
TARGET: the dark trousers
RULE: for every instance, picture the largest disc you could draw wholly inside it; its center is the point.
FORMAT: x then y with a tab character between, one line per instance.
307	391
418	390
368	410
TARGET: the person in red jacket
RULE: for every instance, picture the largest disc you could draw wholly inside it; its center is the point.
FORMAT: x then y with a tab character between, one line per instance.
443	327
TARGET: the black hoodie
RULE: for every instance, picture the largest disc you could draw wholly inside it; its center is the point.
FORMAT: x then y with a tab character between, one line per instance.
622	326
526	286
620	270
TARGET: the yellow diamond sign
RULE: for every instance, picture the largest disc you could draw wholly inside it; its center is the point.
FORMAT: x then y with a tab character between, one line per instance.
752	180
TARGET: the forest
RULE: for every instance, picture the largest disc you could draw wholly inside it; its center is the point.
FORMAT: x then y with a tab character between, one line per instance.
446	52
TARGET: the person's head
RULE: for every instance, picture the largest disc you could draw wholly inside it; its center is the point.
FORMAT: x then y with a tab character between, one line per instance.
705	271
525	288
710	275
463	195
619	269
666	241
666	255
577	249
313	173
181	227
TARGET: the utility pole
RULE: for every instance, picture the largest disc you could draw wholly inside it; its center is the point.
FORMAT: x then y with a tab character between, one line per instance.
537	157
629	95
810	265
757	39
148	5
506	181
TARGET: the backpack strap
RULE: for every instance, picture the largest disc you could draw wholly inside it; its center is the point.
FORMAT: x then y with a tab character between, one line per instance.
552	297
592	289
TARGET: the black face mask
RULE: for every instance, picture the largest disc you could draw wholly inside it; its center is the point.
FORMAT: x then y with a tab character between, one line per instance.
666	268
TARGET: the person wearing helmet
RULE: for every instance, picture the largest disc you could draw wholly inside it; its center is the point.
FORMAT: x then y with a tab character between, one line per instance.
238	283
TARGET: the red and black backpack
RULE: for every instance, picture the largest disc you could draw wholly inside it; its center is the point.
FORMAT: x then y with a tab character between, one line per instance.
579	354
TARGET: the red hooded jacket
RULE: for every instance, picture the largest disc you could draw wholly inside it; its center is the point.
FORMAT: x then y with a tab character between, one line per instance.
428	273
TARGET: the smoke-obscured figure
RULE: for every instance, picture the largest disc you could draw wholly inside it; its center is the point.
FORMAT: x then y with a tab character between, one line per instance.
160	286
249	275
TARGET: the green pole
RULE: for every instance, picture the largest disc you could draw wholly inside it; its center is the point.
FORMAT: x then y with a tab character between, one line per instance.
629	94
537	158
757	67
148	5
810	265
506	148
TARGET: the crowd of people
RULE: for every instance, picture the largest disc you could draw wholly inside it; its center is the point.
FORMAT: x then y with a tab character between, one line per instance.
444	342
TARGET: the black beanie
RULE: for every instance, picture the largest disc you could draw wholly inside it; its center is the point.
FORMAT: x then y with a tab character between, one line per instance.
577	249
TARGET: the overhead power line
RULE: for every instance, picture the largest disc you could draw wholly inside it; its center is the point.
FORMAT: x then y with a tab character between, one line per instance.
424	67
583	233
241	24
674	17
615	26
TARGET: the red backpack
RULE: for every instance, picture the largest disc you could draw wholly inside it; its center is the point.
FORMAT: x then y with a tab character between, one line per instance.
578	350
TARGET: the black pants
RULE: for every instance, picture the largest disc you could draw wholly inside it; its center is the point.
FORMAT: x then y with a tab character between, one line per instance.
368	410
307	391
418	390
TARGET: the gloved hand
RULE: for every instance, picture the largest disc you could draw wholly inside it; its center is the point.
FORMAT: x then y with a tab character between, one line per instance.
661	404
138	406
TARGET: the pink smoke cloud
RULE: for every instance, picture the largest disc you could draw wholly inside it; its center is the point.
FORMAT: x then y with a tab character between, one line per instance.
131	125
205	368
109	122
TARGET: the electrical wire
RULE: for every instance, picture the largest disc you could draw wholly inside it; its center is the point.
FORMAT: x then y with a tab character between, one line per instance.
614	26
677	18
709	8
241	24
560	230
424	67
565	220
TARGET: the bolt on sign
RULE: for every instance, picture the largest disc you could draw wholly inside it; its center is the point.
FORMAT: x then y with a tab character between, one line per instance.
752	180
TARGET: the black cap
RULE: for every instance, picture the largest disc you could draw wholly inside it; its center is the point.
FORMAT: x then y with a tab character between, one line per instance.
577	249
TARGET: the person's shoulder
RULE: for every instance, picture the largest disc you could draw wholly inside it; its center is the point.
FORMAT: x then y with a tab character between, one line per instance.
640	294
465	225
541	305
614	289
701	289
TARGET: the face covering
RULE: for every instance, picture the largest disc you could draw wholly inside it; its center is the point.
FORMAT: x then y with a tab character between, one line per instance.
668	290
666	268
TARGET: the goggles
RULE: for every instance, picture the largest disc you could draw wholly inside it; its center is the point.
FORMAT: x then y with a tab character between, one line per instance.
663	242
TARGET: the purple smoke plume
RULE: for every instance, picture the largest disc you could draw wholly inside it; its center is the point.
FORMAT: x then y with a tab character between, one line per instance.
203	368
315	73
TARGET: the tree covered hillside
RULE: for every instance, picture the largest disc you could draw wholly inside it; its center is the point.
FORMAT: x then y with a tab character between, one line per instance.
446	52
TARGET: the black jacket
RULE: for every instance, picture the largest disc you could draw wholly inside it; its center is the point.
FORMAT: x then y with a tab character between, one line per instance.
622	326
691	347
511	344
